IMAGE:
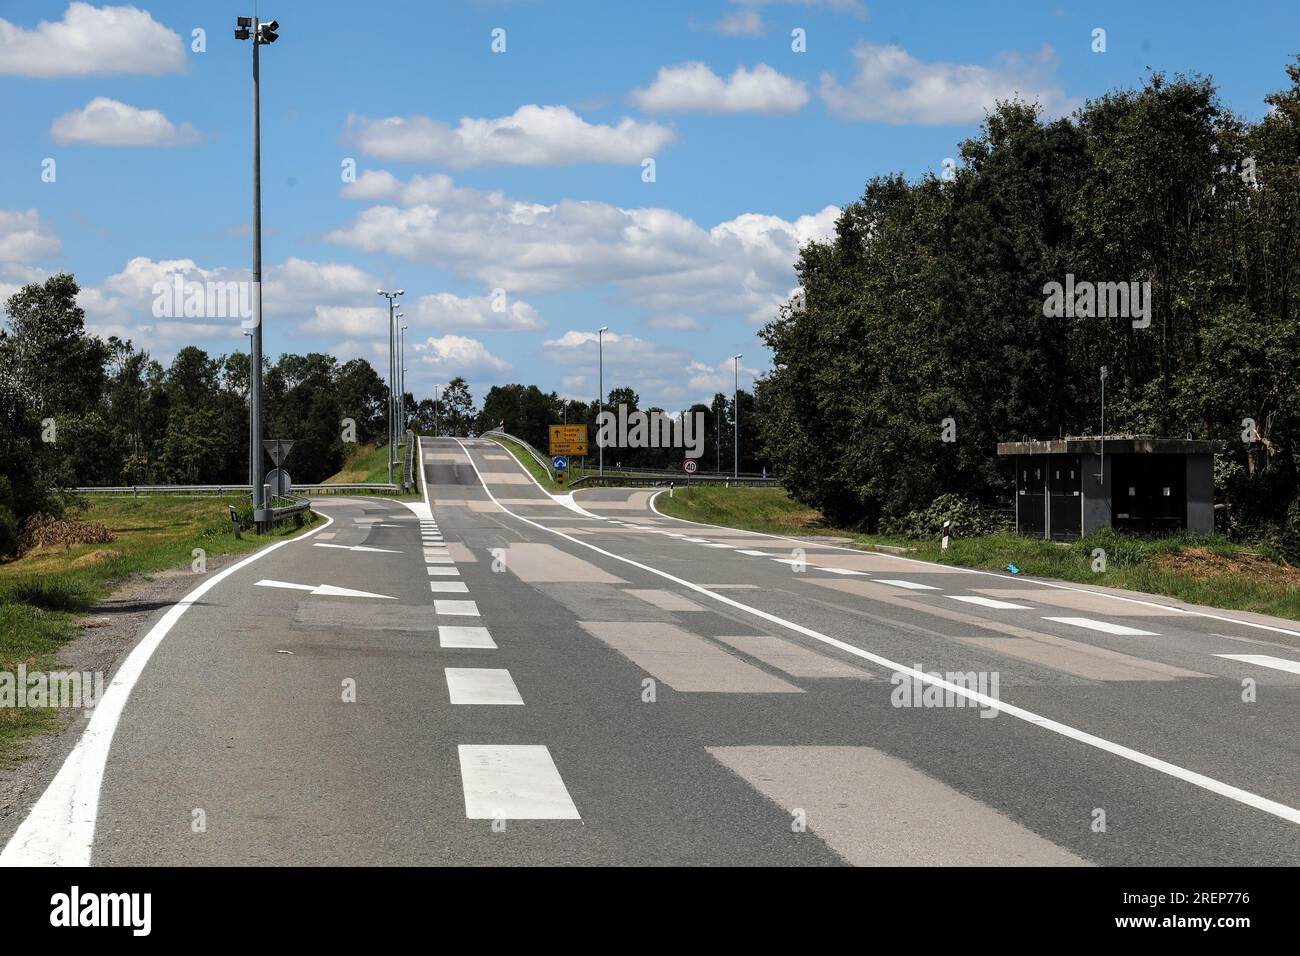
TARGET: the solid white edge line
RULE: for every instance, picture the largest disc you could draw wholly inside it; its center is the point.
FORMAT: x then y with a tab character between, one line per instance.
60	827
992	574
1290	814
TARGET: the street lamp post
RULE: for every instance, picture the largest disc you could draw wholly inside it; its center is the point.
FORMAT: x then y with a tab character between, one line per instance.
401	388
735	407
252	439
251	28
392	375
600	397
436	431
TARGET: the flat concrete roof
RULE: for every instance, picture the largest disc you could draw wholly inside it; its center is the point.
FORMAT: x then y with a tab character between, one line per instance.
1119	445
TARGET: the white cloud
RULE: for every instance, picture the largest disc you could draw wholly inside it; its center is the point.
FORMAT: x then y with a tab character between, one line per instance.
91	41
739	23
676	323
453	355
854	8
106	122
657	258
446	311
532	136
25	238
693	87
892	86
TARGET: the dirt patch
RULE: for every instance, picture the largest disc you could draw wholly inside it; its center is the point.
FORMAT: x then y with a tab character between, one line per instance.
1202	565
94	557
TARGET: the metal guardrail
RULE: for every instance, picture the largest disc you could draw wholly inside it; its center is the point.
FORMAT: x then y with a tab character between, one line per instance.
648	481
321	488
537	455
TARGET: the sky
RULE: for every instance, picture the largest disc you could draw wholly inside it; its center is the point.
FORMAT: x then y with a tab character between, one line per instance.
527	172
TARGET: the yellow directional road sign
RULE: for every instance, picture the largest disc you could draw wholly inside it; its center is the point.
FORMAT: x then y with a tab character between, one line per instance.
569	440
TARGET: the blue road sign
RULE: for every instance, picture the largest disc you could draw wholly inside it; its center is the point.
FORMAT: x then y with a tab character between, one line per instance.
561	462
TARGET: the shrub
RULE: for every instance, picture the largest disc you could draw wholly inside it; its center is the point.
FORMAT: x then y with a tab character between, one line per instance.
969	519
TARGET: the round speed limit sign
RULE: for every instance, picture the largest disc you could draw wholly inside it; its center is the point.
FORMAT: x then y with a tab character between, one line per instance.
691	466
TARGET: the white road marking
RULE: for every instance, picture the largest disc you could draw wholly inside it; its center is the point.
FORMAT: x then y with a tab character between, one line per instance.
751	553
441	569
1263	660
60	829
513	782
839	570
989	602
320	590
445	587
482	685
439	559
716	544
1105	626
356	547
910	585
1245	797
456	608
458	635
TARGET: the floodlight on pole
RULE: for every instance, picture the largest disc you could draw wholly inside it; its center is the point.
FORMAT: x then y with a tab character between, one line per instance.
600	396
735	409
260	33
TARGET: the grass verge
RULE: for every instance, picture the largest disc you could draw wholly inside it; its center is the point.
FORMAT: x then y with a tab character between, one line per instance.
43	593
542	475
1199	569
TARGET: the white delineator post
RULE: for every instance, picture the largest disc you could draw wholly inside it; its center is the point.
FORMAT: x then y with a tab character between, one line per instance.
947	530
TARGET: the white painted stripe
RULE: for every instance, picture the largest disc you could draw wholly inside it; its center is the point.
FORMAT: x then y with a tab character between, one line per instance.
1263	660
443	570
1227	790
445	587
513	782
840	570
60	829
989	602
456	608
755	554
910	585
482	685
436	559
993	574
1105	626
459	635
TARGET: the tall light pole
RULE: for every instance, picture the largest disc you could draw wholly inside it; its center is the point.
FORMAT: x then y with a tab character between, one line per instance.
600	397
392	371
735	408
436	431
252	439
401	389
251	28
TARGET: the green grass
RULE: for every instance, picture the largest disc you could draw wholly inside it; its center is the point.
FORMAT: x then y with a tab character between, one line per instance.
44	592
365	464
542	475
1199	569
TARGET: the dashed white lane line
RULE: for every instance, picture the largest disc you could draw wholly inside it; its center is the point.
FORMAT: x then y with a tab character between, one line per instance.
751	553
443	570
448	587
461	636
513	782
910	585
989	602
456	608
1263	660
716	544
1104	626
840	570
439	559
482	685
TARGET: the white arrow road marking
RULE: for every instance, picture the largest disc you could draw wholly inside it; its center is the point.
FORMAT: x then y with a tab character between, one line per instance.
358	547
323	590
1263	660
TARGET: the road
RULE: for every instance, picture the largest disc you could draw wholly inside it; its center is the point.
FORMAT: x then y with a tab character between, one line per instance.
506	677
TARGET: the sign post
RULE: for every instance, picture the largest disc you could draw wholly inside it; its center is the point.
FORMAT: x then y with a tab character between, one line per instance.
561	463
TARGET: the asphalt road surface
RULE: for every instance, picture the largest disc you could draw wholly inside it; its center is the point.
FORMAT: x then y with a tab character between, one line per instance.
506	677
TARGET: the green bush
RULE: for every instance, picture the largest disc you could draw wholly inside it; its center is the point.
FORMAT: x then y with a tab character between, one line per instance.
969	519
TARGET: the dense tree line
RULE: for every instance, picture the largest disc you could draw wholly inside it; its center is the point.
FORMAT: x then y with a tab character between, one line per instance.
929	304
527	412
79	410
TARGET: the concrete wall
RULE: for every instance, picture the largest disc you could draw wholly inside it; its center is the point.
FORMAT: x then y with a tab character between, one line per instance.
1096	497
1200	493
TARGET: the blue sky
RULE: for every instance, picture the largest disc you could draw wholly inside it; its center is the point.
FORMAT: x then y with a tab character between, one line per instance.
522	171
